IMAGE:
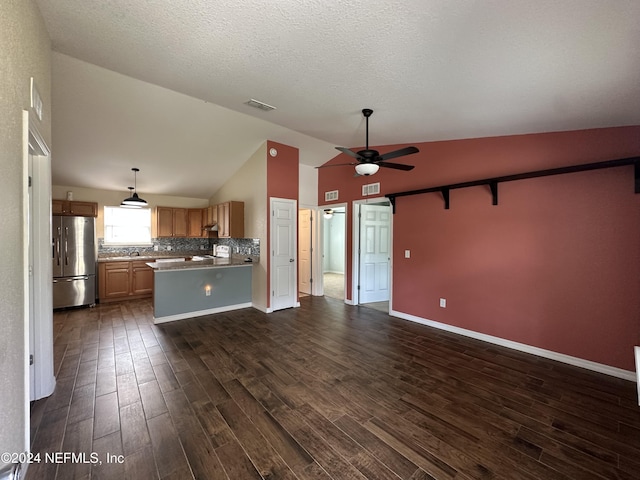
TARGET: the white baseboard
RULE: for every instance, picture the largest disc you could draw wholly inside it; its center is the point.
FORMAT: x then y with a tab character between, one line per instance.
200	313
561	357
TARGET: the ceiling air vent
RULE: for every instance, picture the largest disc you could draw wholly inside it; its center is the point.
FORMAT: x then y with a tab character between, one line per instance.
330	196
260	105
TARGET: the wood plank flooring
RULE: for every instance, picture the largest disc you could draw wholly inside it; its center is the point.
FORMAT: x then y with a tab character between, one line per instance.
324	391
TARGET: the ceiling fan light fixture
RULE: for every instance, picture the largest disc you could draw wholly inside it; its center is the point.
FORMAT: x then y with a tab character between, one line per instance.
367	169
134	201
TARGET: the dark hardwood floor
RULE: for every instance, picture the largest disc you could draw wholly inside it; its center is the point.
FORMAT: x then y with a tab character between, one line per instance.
324	391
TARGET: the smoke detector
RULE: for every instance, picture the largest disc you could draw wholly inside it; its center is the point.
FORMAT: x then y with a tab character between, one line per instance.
261	105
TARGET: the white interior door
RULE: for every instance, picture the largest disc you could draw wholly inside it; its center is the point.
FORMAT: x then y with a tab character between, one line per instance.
304	251
375	253
31	295
283	253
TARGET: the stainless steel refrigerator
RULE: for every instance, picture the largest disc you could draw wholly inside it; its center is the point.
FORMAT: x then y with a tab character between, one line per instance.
75	256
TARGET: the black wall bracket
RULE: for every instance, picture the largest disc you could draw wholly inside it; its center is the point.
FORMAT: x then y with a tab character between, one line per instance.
444	190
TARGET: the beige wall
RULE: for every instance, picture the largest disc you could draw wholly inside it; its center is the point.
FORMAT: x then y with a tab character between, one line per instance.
249	185
26	53
112	198
307	186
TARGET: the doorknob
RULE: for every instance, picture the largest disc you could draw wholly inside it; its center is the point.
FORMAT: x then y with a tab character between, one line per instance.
291	260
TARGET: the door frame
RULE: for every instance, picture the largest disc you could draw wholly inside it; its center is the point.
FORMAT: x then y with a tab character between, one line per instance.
355	254
39	301
294	204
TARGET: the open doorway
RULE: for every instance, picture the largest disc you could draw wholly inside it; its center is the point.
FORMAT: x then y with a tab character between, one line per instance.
334	251
372	254
305	251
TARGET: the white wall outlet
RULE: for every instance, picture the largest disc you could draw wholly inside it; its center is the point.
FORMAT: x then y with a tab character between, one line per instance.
407	254
443	302
155	248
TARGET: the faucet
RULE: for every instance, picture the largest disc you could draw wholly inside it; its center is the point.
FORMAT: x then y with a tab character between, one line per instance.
134	254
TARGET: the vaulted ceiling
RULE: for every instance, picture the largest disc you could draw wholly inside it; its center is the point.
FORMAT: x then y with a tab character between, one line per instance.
162	84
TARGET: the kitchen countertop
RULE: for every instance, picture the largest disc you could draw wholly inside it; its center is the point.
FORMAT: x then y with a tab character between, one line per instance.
146	257
203	262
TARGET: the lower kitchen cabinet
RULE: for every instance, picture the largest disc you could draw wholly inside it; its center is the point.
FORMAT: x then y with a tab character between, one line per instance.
124	280
141	278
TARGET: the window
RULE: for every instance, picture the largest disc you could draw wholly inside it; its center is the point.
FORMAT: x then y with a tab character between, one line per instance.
127	226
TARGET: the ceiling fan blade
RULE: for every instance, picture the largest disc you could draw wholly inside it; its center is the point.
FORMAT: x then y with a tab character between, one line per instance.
397	153
337	165
397	166
351	153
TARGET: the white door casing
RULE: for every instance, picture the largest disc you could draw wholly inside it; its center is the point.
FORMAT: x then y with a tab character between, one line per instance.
283	253
40	379
375	253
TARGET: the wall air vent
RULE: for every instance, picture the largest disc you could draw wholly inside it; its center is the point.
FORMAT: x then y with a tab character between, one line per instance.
331	196
261	105
371	189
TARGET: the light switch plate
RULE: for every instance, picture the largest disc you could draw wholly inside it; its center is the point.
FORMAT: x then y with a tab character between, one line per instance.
407	254
443	302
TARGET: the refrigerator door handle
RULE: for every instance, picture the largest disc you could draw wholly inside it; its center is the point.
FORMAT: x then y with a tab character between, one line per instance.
70	279
66	246
58	248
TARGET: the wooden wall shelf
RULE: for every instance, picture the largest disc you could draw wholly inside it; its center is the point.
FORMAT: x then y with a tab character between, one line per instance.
444	190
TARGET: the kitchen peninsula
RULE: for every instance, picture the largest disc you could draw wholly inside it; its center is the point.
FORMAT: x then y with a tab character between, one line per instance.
200	286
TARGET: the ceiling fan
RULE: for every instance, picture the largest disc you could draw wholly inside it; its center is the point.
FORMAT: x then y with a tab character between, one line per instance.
369	161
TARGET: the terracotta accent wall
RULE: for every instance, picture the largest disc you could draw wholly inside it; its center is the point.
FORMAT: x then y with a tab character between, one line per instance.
555	265
282	182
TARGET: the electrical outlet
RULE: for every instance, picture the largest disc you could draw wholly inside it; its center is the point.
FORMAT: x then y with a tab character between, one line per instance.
443	302
155	248
407	254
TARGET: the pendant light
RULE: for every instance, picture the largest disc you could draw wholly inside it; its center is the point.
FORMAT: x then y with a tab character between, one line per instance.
134	201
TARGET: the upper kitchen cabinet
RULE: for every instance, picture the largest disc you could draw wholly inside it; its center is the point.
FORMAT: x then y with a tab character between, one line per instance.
195	221
66	207
231	220
212	215
172	222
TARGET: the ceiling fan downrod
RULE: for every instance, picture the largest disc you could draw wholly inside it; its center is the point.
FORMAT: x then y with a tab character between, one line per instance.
367	113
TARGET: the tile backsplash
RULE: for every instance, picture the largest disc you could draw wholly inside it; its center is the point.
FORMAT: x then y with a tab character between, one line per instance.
244	246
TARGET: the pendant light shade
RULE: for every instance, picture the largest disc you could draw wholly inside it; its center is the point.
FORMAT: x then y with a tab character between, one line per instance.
134	201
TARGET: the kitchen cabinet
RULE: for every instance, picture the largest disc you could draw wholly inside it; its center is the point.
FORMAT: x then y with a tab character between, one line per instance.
230	220
141	278
66	207
212	215
124	280
196	220
171	222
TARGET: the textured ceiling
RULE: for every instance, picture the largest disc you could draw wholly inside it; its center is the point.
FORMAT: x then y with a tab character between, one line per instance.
430	69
